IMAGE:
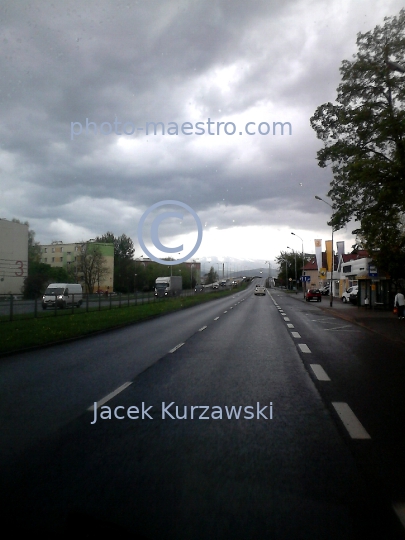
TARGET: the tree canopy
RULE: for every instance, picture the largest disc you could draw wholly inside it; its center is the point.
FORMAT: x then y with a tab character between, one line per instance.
287	271
364	138
124	266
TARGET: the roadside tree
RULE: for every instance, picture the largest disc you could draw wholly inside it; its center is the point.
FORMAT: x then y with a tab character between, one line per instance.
364	142
92	264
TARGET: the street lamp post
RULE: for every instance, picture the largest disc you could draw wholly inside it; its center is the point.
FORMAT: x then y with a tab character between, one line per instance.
191	275
268	262
333	261
295	256
304	286
286	274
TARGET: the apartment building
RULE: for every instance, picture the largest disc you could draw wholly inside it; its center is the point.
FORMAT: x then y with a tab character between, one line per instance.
13	256
68	256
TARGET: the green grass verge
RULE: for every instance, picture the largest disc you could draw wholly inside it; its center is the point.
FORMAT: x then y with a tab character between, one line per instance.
26	333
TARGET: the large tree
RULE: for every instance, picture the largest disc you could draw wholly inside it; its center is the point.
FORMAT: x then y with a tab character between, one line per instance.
124	265
92	264
364	141
287	271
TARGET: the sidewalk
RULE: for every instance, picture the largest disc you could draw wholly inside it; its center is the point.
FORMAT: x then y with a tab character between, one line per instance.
385	323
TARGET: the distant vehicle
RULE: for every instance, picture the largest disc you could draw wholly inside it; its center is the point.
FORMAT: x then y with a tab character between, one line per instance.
223	283
260	291
325	290
313	294
215	285
348	292
63	294
199	288
168	286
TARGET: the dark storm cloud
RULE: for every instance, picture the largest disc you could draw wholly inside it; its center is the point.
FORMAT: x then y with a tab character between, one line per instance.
167	61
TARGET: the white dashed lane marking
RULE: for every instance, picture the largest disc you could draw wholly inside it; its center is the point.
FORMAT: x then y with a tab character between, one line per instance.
304	348
216	318
320	373
110	396
176	347
203	328
289	325
295	334
286	318
350	421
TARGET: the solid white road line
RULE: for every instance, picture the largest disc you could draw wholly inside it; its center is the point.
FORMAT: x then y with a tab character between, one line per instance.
203	328
176	347
289	325
304	348
216	318
295	334
320	373
350	421
110	396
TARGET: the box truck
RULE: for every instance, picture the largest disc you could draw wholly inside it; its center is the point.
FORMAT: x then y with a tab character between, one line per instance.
63	294
168	286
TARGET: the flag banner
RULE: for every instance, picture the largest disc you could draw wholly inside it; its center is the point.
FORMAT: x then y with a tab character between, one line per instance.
328	245
340	247
318	253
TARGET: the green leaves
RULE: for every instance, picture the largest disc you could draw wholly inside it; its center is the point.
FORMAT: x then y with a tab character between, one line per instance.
363	135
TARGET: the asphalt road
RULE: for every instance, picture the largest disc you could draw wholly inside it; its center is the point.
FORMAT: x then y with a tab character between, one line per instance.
295	466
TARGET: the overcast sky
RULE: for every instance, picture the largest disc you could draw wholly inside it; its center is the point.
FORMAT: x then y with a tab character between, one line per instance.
134	62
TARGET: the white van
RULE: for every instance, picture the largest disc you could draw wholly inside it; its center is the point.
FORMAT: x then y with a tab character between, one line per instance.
63	294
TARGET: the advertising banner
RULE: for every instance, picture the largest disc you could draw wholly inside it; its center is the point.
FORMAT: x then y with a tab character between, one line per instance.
328	245
318	253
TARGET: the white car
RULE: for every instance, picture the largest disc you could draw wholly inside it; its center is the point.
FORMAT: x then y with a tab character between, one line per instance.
260	291
348	292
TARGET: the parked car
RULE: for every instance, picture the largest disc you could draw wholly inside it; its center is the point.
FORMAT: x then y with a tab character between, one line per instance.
313	294
260	291
353	297
215	285
348	292
199	288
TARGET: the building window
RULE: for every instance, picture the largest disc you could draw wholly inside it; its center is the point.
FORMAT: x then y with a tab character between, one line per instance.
53	259
45	250
53	250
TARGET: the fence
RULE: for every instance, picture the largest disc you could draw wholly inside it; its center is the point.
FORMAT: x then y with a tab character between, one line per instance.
13	307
